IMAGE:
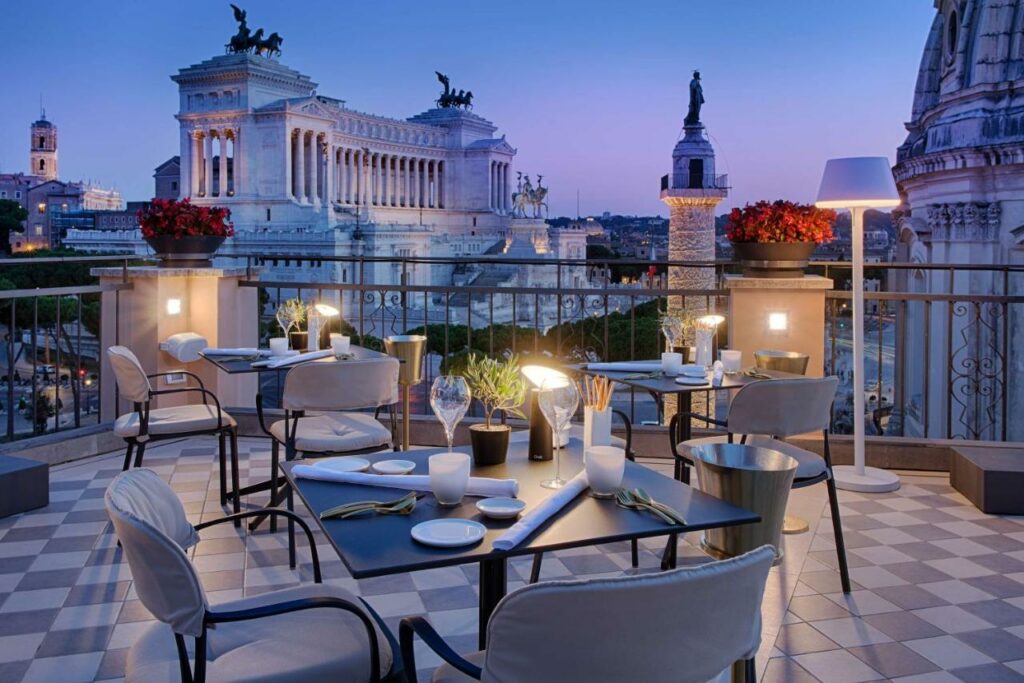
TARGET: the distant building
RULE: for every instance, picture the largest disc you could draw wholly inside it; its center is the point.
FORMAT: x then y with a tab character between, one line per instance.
166	177
43	149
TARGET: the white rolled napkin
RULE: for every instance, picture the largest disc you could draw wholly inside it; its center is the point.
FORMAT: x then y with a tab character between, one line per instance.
482	487
627	366
292	360
241	351
533	519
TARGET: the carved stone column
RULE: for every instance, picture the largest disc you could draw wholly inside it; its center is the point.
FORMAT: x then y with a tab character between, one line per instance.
222	144
208	164
300	166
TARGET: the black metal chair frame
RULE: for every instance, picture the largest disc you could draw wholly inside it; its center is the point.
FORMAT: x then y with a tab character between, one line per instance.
410	627
197	673
222	430
826	476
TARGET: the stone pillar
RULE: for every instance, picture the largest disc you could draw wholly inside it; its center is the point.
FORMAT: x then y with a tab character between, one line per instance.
212	305
196	163
208	164
441	185
315	169
691	238
329	194
801	301
288	162
238	165
300	166
222	144
188	152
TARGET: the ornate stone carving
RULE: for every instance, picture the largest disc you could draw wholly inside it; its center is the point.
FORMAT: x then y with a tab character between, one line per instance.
964	221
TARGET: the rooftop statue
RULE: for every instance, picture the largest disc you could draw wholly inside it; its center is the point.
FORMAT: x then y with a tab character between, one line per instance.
450	99
696	100
247	42
528	196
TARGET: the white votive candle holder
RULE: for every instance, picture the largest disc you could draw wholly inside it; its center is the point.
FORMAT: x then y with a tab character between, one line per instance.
671	363
605	468
340	344
732	360
449	476
279	346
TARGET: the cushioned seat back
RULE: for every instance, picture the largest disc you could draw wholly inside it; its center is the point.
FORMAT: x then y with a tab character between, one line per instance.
783	407
150	522
345	385
683	625
132	383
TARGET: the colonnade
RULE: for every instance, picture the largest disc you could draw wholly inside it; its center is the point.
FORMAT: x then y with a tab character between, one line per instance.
499	186
318	172
212	163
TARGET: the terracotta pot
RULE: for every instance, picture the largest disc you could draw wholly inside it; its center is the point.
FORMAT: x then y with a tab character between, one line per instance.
490	446
193	251
774	259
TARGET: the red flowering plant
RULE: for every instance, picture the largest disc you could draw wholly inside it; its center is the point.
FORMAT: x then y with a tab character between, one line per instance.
179	219
780	221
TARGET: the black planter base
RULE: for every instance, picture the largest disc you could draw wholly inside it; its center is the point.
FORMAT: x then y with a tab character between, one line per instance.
774	259
490	446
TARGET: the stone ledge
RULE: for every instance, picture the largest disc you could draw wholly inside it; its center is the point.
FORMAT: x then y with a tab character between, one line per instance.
805	282
157	272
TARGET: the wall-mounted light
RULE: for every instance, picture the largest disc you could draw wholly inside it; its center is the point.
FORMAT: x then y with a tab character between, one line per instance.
173	306
778	321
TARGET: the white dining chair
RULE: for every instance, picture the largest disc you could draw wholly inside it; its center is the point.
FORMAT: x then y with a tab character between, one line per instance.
310	633
686	625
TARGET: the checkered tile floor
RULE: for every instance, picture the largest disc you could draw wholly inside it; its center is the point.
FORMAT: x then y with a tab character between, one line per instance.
939	592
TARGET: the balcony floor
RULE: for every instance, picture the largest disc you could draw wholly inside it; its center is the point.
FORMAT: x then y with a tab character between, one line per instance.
939	586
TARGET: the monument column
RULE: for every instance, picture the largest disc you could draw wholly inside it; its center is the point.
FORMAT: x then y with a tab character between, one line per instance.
222	145
300	166
288	142
195	164
315	169
208	164
329	194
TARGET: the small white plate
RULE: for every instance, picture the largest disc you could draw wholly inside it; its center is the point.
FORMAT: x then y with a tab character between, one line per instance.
394	466
449	533
692	381
692	370
344	463
500	508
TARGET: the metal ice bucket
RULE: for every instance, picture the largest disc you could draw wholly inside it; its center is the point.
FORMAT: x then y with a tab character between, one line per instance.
753	478
784	361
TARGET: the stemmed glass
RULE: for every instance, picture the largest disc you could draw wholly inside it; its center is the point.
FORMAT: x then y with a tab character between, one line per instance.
558	401
672	328
283	318
450	397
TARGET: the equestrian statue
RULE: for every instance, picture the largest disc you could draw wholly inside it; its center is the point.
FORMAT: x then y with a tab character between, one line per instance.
527	196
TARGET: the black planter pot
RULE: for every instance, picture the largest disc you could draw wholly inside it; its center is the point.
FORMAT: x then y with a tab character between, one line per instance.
193	251
774	259
490	446
299	340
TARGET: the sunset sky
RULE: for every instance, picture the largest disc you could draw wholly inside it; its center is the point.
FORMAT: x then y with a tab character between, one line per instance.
591	93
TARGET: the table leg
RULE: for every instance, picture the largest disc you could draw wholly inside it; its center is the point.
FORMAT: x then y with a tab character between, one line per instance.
684	432
493	584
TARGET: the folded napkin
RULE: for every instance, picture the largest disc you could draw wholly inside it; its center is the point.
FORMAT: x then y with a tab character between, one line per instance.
482	487
242	351
533	519
627	366
291	360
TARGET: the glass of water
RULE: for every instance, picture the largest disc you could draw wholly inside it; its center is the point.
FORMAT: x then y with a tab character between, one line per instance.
450	397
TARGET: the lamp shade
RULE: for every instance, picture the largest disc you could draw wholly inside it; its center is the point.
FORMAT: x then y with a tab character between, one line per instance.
857	182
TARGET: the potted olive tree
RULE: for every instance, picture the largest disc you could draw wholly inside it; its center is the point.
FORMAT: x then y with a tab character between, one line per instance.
498	386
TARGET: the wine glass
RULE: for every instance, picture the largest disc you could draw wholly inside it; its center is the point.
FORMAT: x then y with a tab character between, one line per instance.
450	397
672	328
558	401
284	318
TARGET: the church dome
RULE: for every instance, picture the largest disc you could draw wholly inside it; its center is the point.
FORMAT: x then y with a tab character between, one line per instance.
969	82
42	123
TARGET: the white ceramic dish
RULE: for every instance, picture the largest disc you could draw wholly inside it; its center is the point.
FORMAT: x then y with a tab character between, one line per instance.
344	463
394	466
449	533
692	381
500	508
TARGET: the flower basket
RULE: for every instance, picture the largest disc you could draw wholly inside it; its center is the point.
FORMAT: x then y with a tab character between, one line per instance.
183	235
777	239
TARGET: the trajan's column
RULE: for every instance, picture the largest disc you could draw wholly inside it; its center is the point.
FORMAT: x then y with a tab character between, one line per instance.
692	191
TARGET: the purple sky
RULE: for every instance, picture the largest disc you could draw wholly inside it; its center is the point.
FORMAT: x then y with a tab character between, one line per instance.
592	93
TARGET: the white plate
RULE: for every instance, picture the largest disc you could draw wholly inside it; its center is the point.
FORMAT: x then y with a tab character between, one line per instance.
692	370
692	381
394	466
449	533
344	463
500	508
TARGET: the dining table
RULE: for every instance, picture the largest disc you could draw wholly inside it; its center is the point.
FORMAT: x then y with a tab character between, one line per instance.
379	545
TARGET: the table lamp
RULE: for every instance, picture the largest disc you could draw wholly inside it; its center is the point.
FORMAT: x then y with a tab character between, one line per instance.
316	316
859	183
540	430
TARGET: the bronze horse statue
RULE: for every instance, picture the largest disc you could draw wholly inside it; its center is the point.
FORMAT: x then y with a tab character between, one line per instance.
245	41
270	47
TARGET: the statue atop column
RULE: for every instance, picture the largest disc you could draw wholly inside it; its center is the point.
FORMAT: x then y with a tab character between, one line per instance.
696	100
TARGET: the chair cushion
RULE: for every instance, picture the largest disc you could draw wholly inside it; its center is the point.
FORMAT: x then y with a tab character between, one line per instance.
446	673
326	644
173	420
808	464
335	433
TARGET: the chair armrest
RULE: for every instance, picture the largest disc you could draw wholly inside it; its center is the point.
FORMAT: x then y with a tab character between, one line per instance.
409	627
317	578
204	392
260	415
673	425
629	432
213	618
193	375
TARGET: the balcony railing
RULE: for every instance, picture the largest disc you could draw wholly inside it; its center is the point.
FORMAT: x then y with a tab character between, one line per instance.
694	181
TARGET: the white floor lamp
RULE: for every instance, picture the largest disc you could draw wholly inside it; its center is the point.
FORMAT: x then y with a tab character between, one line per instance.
859	183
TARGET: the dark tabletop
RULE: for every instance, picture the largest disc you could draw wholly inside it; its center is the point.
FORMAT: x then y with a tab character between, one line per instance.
667	385
236	365
382	544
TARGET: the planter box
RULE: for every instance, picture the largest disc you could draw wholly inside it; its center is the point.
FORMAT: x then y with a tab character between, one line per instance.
24	485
